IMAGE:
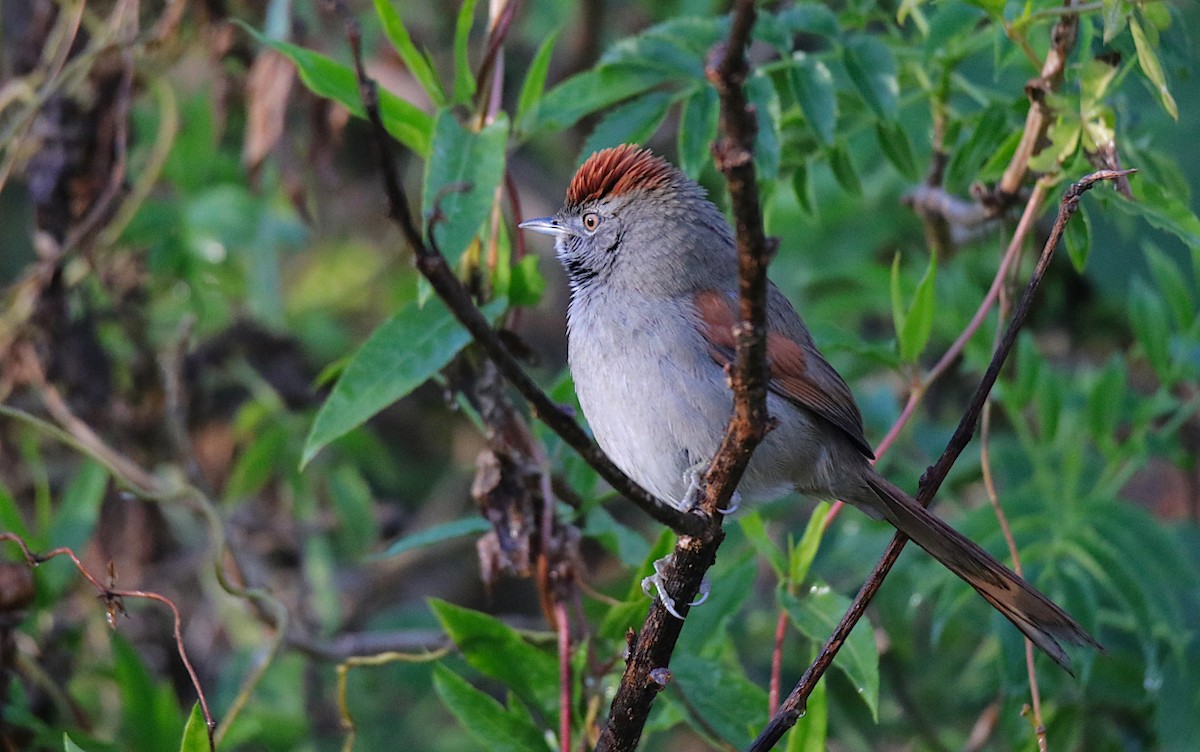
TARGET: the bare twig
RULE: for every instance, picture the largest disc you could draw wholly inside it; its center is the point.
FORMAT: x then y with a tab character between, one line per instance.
450	289
645	670
793	707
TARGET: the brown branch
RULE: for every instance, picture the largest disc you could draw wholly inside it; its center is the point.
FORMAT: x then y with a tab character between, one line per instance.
113	602
646	670
793	706
430	262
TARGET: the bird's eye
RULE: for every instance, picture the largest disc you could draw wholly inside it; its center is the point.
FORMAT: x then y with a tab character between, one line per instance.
591	221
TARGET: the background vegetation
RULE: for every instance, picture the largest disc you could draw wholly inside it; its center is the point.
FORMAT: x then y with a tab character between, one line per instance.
223	382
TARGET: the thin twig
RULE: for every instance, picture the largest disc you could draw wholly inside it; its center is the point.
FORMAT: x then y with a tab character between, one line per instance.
793	707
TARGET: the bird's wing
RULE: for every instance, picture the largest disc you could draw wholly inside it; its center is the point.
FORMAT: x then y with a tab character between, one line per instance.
798	371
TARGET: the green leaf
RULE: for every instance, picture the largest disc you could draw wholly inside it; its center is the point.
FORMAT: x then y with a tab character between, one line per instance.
872	69
844	169
801	555
527	284
815	615
755	529
913	326
69	745
698	130
1174	290
802	185
398	357
1105	400
326	78
355	506
809	733
195	733
437	534
631	123
1162	210
628	545
534	85
592	90
461	175
1078	238
720	693
1148	61
72	525
811	18
150	715
812	83
1150	326
767	142
485	719
418	63
676	47
893	140
498	651
1115	18
464	78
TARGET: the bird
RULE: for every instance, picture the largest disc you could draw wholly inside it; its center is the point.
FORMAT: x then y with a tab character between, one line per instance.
652	268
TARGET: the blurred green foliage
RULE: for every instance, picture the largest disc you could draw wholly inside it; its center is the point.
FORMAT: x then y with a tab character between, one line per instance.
303	322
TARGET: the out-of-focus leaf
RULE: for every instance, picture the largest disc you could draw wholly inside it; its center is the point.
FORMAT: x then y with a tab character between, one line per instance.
497	650
761	93
535	83
151	719
259	461
1148	61
803	188
326	78
913	326
485	719
417	62
844	169
1078	238
195	733
802	554
808	735
985	138
436	534
812	18
629	546
812	83
398	357
461	175
720	693
896	147
1169	279
755	529
697	130
872	69
527	284
1105	401
733	584
355	504
69	745
1116	15
815	614
677	47
1162	210
464	80
72	525
1151	327
632	123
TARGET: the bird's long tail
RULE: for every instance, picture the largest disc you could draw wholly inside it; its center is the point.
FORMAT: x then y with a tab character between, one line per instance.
1034	614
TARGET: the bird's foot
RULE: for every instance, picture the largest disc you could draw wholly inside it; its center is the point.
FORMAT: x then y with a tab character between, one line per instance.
656	583
694	476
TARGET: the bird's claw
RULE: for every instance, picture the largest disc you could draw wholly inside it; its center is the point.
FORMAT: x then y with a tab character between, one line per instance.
694	476
656	584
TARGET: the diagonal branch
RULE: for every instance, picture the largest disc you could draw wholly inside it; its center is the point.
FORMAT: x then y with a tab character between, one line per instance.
793	708
646	671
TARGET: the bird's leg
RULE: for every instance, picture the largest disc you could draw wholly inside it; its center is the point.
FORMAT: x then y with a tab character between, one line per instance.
694	477
657	581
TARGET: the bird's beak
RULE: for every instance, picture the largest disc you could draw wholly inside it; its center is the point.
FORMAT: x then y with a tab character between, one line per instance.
545	226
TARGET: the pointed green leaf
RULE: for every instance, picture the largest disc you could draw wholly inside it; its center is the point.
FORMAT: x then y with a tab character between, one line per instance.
755	529
898	314
809	733
69	744
872	69
802	554
812	83
326	78
417	62
1148	61
1168	277
485	719
802	186
534	85
918	321
1151	327
400	355
1162	210
815	615
464	77
593	90
1105	400
893	140
461	175
1078	237
631	123
762	95
720	693
1115	17
698	130
527	284
195	733
844	169
497	650
474	525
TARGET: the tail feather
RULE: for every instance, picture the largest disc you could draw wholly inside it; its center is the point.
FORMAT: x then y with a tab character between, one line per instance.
1034	614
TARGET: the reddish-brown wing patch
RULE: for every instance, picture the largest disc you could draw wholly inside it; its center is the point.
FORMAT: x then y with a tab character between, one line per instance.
611	172
799	374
